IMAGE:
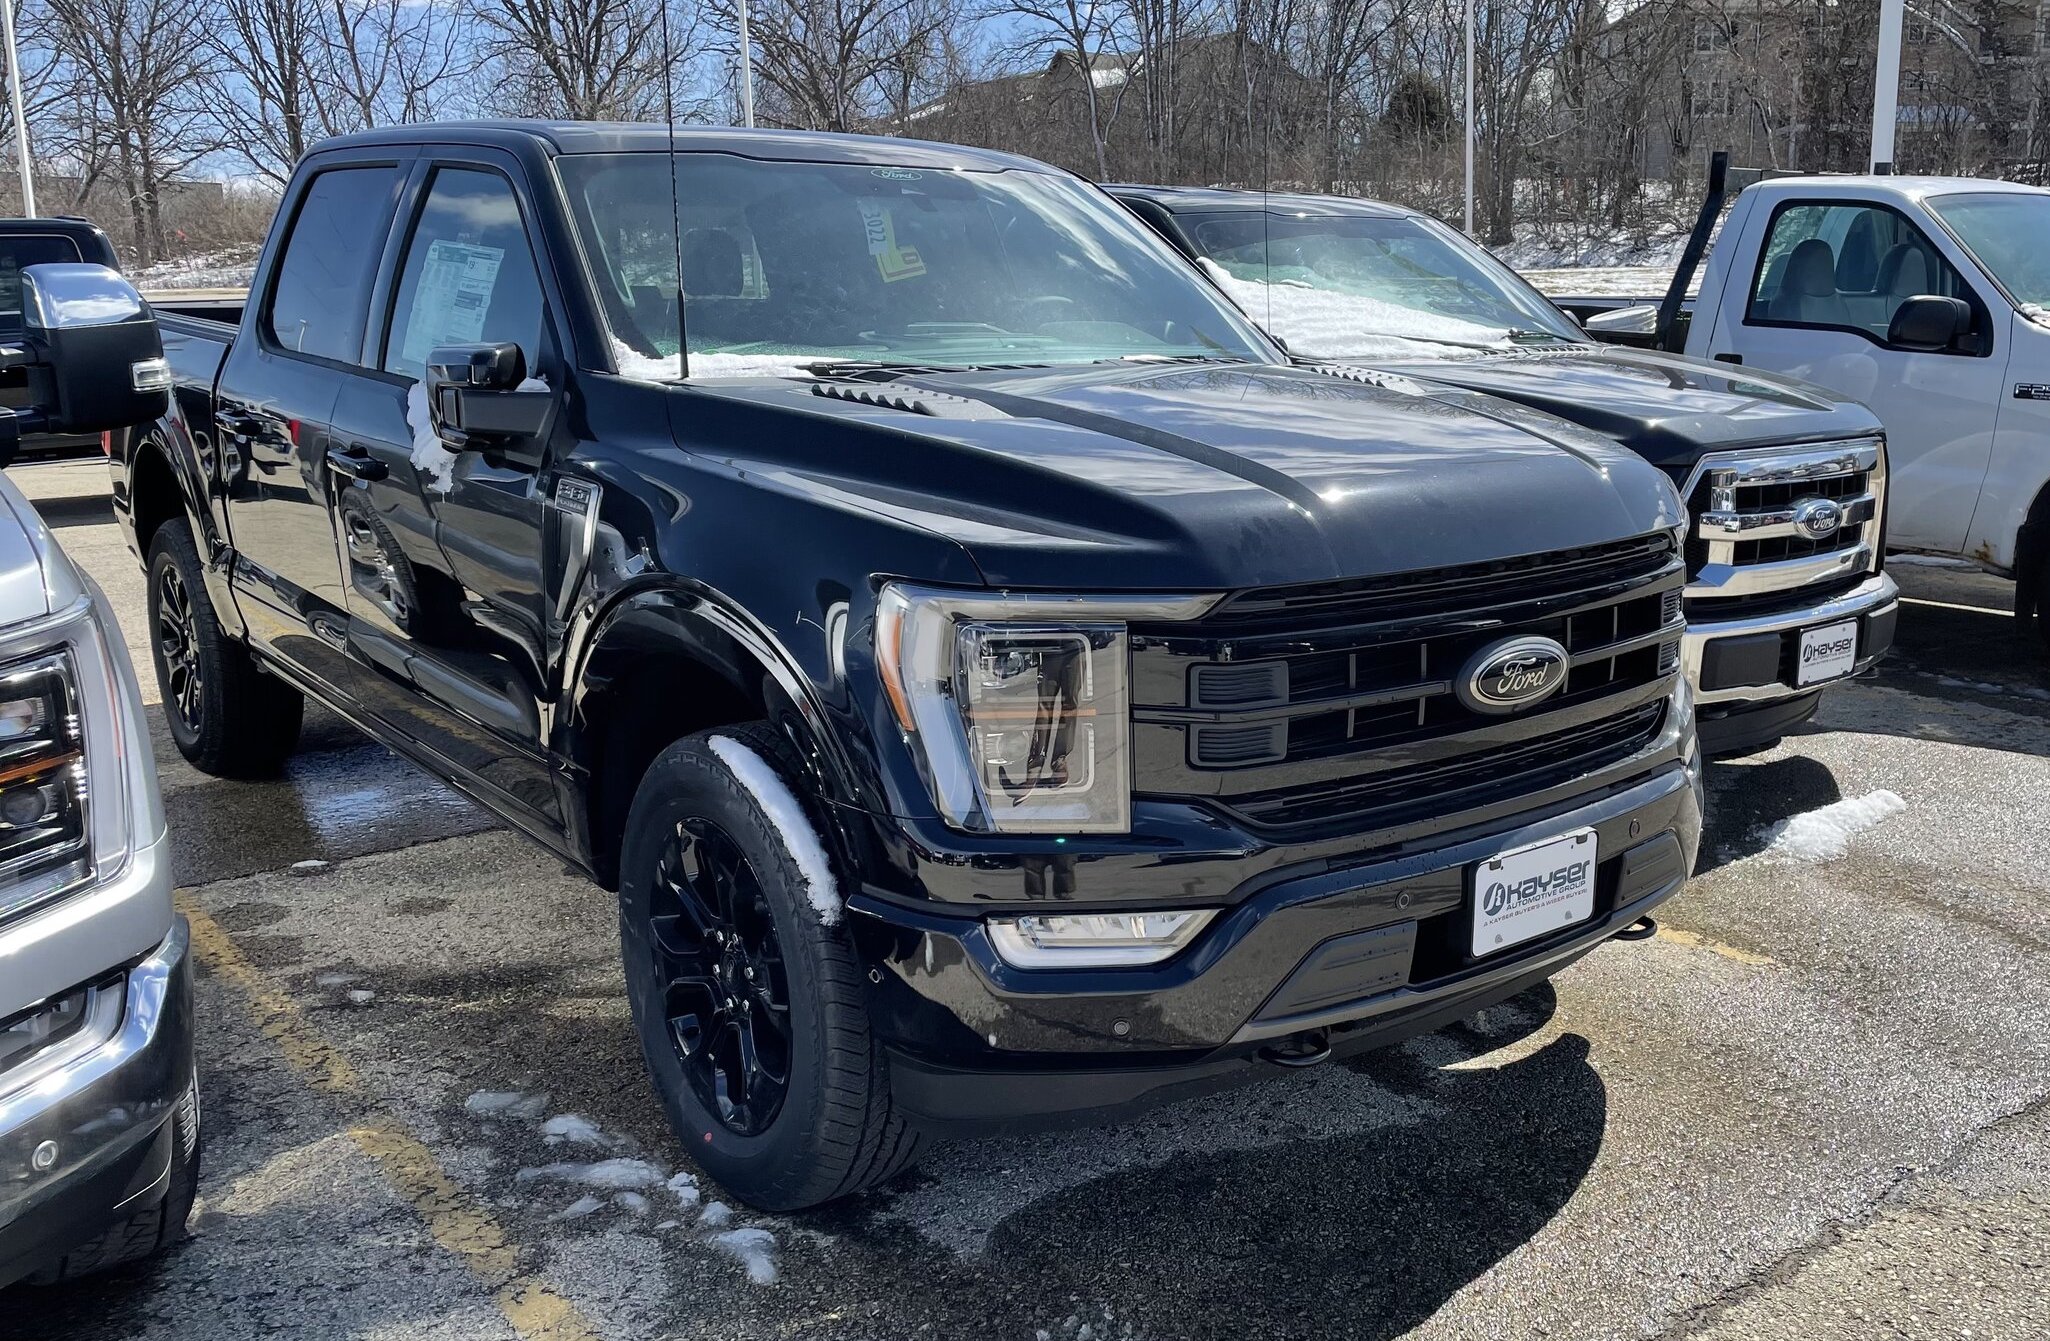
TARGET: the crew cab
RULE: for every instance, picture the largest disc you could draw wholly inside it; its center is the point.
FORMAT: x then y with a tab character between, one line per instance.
1925	298
998	686
1787	482
99	1102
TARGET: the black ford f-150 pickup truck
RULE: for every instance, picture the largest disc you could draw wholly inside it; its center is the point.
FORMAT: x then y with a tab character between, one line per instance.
998	686
1787	481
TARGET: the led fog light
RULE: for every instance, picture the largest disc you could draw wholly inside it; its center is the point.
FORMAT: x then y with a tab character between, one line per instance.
1098	940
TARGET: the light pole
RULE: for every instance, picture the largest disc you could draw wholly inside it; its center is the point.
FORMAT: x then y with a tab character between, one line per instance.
747	71
1469	114
28	181
1886	83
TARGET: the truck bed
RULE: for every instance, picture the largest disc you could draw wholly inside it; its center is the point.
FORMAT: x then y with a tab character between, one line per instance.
196	345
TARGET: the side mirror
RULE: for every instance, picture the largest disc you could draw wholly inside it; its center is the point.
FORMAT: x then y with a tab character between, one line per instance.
480	396
1624	325
1928	323
94	357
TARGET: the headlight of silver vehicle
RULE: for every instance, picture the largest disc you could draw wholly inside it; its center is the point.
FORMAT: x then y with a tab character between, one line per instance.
1019	706
64	761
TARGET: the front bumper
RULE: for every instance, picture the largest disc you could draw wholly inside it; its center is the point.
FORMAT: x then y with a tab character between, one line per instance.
1744	670
105	1108
1342	959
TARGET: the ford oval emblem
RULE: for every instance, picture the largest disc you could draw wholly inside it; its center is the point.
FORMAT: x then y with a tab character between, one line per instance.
1512	675
1818	518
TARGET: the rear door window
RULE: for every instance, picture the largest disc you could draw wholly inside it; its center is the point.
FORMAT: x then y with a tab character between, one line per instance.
318	303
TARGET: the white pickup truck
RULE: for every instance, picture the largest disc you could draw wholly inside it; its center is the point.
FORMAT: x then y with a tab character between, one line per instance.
1926	298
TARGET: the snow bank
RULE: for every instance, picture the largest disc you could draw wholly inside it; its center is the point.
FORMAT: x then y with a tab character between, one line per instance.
1321	323
756	1250
1826	834
685	1189
799	838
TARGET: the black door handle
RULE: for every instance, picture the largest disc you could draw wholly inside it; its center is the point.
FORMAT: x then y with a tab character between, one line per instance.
356	463
239	422
1729	358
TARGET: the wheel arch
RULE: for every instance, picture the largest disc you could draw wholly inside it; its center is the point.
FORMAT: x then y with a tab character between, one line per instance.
664	662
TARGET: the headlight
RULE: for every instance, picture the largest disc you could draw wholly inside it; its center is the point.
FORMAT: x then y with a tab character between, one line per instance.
1018	706
45	843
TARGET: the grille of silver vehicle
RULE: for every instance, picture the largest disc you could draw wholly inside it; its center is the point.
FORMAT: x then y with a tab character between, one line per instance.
1296	708
1783	523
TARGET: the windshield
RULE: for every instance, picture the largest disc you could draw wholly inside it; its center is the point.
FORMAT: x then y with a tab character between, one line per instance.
1349	286
787	267
2004	231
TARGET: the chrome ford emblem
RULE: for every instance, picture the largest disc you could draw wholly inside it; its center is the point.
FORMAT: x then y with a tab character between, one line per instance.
1818	518
1512	675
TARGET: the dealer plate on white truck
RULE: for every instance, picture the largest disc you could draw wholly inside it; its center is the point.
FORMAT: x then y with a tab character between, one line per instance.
1533	890
1827	653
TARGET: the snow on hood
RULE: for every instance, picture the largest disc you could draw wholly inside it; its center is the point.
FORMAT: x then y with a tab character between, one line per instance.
1323	323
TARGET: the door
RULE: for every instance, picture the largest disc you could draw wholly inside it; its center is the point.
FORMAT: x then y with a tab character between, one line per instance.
272	406
444	553
1818	302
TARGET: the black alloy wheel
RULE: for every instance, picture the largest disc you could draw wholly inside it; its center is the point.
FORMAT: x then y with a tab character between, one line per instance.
178	649
726	991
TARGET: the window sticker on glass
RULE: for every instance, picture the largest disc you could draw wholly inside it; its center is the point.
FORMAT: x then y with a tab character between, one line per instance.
453	297
894	261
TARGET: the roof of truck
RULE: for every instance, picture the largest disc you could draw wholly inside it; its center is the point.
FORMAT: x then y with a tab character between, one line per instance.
1214	199
1871	186
612	137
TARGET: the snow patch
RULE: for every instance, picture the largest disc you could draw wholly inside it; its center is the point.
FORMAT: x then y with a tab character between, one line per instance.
578	1209
311	866
574	1128
684	1188
616	1174
716	1215
1323	323
632	1201
429	456
1825	834
533	382
334	980
506	1104
632	363
756	1249
361	996
781	806
704	366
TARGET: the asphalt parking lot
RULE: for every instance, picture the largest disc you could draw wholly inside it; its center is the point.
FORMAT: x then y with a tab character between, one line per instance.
1813	1107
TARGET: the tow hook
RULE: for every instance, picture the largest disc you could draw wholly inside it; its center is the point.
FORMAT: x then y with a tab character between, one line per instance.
1301	1050
1643	929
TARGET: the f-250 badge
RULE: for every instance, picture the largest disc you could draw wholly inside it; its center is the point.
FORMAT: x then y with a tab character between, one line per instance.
2032	390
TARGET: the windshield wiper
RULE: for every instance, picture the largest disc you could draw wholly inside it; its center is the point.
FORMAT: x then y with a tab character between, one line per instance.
1519	336
1175	358
882	370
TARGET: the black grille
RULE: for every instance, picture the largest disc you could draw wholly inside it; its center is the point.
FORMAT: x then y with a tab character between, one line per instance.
1532	765
1302	707
1447	591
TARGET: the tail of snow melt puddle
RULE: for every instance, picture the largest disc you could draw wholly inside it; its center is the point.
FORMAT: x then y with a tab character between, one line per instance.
1826	833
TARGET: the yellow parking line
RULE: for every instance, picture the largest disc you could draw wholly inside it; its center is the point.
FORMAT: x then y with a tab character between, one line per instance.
457	1222
1696	941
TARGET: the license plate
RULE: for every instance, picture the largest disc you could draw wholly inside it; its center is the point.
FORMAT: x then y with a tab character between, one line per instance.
1827	653
1533	890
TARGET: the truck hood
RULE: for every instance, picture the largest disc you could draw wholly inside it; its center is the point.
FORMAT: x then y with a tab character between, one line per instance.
1668	409
1208	476
36	578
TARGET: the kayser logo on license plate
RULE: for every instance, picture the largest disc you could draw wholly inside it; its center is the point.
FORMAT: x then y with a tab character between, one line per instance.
1499	898
1815	652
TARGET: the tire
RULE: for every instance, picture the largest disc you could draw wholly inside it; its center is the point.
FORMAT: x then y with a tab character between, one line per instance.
827	1129
152	1229
226	716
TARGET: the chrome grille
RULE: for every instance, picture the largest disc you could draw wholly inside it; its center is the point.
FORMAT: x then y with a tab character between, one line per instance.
1776	520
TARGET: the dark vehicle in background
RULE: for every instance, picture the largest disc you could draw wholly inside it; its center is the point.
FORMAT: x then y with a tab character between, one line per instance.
26	242
999	688
99	1104
1786	481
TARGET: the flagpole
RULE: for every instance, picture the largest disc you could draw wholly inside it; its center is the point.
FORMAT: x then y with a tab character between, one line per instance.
1469	115
747	71
28	183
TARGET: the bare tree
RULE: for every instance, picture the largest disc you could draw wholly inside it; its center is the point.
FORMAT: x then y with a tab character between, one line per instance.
586	60
1086	36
